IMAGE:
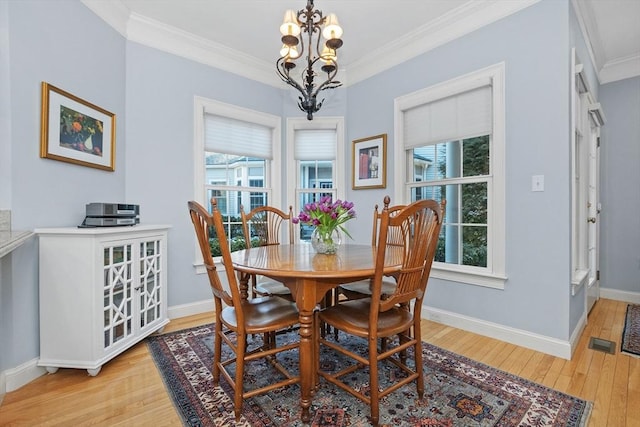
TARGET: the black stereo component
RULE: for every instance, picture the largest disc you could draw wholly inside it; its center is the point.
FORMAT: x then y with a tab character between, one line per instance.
111	215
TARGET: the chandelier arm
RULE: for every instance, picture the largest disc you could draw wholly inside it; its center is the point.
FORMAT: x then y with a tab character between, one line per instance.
329	83
285	76
318	51
303	29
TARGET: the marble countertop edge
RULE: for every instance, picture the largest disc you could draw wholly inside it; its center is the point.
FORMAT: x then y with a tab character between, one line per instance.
9	240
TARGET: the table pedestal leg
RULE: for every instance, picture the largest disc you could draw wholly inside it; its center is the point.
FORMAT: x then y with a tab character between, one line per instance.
307	362
308	293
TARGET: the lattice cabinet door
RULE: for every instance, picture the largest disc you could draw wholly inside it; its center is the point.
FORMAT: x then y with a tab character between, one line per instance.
101	291
150	282
118	293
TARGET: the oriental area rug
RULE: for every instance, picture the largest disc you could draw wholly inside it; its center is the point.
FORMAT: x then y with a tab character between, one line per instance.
458	391
631	333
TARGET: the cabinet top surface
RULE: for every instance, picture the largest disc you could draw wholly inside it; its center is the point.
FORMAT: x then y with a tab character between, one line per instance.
92	231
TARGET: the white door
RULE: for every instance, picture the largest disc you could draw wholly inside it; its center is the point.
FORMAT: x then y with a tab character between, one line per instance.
593	216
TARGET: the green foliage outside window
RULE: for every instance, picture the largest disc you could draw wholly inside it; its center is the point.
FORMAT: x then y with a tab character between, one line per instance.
473	199
235	245
236	241
474	202
440	249
233	226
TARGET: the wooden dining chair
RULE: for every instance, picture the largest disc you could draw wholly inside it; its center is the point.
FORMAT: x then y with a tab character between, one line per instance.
242	317
263	226
362	288
397	315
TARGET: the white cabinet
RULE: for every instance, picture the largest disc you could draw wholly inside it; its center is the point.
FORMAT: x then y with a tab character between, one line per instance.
101	291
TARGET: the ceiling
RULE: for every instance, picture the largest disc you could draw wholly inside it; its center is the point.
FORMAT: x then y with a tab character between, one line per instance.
243	35
613	30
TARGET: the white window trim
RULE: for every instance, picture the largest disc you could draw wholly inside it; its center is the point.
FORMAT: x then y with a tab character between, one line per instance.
493	276
205	105
293	124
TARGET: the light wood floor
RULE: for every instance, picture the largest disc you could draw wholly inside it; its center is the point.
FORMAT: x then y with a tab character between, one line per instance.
129	391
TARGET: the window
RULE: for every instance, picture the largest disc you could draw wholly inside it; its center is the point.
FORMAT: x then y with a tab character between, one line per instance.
257	199
459	173
314	153
451	137
236	162
221	200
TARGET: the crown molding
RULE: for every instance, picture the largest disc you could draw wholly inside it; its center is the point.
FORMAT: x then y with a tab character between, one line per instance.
462	20
457	23
620	69
610	71
163	37
152	33
585	23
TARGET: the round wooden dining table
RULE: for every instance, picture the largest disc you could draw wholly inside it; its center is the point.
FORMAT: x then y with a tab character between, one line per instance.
310	276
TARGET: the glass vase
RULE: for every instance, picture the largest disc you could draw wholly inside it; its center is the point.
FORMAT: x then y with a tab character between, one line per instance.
326	242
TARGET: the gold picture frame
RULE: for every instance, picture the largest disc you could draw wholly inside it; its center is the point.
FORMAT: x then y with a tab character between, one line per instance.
76	131
369	162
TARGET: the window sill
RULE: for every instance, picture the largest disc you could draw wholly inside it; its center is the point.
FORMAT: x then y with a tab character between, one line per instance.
201	269
487	280
578	280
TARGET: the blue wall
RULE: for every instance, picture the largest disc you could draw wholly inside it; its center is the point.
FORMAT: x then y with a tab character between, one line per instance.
159	166
68	46
536	295
5	108
620	160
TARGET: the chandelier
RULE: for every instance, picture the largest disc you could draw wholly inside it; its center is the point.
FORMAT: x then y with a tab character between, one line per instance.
321	60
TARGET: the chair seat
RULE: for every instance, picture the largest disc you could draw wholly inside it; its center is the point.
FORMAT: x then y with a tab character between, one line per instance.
362	289
353	317
271	287
263	314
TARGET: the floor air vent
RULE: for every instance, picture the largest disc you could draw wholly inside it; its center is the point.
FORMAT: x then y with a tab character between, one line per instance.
602	345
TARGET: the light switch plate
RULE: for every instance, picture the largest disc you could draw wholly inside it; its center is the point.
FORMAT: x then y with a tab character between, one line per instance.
537	183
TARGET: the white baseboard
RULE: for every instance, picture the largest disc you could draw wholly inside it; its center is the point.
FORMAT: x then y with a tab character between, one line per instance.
14	378
190	309
552	346
577	333
631	297
3	386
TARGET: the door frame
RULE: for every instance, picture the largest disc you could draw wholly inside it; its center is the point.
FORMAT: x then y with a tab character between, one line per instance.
594	208
586	119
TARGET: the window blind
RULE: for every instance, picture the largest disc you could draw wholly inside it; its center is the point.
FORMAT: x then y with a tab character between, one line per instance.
452	118
315	144
232	136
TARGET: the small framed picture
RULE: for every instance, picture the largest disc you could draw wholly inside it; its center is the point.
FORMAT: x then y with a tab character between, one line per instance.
76	131
370	162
